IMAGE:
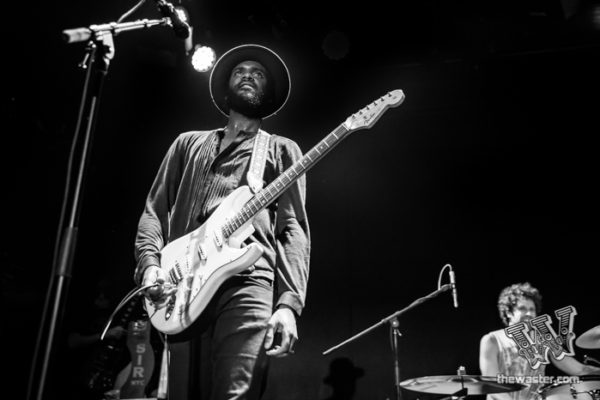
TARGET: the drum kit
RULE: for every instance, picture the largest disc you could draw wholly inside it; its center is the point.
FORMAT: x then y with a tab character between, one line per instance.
457	387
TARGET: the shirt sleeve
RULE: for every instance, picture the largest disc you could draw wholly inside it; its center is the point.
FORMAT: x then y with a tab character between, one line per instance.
153	226
292	237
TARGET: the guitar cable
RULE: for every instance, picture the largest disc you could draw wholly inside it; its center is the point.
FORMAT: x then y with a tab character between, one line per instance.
128	296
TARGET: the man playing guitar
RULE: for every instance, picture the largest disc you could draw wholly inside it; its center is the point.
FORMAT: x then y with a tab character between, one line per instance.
252	314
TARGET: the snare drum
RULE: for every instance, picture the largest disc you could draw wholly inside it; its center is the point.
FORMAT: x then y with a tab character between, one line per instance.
588	388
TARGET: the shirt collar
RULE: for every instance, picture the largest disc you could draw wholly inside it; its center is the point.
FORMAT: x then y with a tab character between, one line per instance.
241	136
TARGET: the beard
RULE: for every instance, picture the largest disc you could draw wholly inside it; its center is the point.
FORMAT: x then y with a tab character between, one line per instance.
250	104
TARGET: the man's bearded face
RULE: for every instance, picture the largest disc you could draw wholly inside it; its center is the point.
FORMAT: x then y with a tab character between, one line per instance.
247	87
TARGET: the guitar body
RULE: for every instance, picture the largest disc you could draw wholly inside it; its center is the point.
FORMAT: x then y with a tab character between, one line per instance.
200	261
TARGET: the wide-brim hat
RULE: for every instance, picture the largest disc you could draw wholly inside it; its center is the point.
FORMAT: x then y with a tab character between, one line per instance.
279	76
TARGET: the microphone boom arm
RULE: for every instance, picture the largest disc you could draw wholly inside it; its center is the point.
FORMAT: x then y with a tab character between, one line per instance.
95	31
389	318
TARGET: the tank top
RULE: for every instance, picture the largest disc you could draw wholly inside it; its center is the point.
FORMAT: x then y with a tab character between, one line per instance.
511	363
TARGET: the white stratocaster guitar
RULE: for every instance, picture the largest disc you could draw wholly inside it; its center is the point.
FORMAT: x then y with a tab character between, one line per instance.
199	262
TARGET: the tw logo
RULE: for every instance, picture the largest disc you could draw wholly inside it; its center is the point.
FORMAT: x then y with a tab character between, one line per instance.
536	338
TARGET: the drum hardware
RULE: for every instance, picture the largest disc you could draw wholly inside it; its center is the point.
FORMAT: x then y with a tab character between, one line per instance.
588	360
573	392
586	388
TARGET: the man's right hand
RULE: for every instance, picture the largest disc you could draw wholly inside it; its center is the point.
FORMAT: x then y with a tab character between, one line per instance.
157	294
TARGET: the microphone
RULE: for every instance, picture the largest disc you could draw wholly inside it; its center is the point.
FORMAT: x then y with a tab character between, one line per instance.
76	35
181	28
453	284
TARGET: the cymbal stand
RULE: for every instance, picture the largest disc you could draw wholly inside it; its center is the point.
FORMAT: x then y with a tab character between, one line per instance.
395	334
463	392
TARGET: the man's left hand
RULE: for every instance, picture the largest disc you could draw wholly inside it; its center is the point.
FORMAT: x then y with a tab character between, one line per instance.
282	321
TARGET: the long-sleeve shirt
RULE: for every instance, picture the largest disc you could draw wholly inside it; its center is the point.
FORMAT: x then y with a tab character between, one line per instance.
195	177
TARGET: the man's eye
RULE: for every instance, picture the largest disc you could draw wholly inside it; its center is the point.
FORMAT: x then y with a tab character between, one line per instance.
258	74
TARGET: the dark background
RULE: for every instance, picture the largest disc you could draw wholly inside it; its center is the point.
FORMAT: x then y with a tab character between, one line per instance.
489	165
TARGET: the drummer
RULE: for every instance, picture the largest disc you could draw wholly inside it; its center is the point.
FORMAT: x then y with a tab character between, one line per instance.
499	354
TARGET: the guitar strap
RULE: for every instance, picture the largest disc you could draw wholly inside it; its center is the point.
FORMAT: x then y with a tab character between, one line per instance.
258	161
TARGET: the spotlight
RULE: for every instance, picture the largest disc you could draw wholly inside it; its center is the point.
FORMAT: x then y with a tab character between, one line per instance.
203	58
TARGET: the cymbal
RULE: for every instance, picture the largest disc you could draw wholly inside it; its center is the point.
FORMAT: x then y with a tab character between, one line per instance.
451	384
590	339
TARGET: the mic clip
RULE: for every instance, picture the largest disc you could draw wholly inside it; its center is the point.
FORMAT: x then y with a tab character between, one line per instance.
179	25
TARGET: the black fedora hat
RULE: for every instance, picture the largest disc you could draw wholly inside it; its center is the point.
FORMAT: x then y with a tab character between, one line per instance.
279	74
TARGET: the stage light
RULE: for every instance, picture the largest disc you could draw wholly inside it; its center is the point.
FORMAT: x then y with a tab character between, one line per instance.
203	58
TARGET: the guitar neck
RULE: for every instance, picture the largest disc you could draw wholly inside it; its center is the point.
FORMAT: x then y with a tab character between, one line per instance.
365	118
266	196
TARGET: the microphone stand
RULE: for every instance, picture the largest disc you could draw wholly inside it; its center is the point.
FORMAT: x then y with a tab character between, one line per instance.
392	319
99	52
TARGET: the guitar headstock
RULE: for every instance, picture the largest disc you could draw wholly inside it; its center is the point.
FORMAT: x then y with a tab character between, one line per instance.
368	115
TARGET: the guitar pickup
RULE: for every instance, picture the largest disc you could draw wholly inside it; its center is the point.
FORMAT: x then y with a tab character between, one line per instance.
202	252
218	237
176	274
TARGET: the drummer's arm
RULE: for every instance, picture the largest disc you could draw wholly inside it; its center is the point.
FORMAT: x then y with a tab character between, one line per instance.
488	356
572	366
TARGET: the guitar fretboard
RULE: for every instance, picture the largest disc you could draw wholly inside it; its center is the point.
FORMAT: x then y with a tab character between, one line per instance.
270	193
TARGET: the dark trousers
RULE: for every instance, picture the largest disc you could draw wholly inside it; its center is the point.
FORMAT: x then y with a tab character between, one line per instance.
221	356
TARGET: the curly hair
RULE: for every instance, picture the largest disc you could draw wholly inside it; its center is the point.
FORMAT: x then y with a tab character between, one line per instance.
509	296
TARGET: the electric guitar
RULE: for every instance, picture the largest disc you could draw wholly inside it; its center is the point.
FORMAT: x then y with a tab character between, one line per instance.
200	261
